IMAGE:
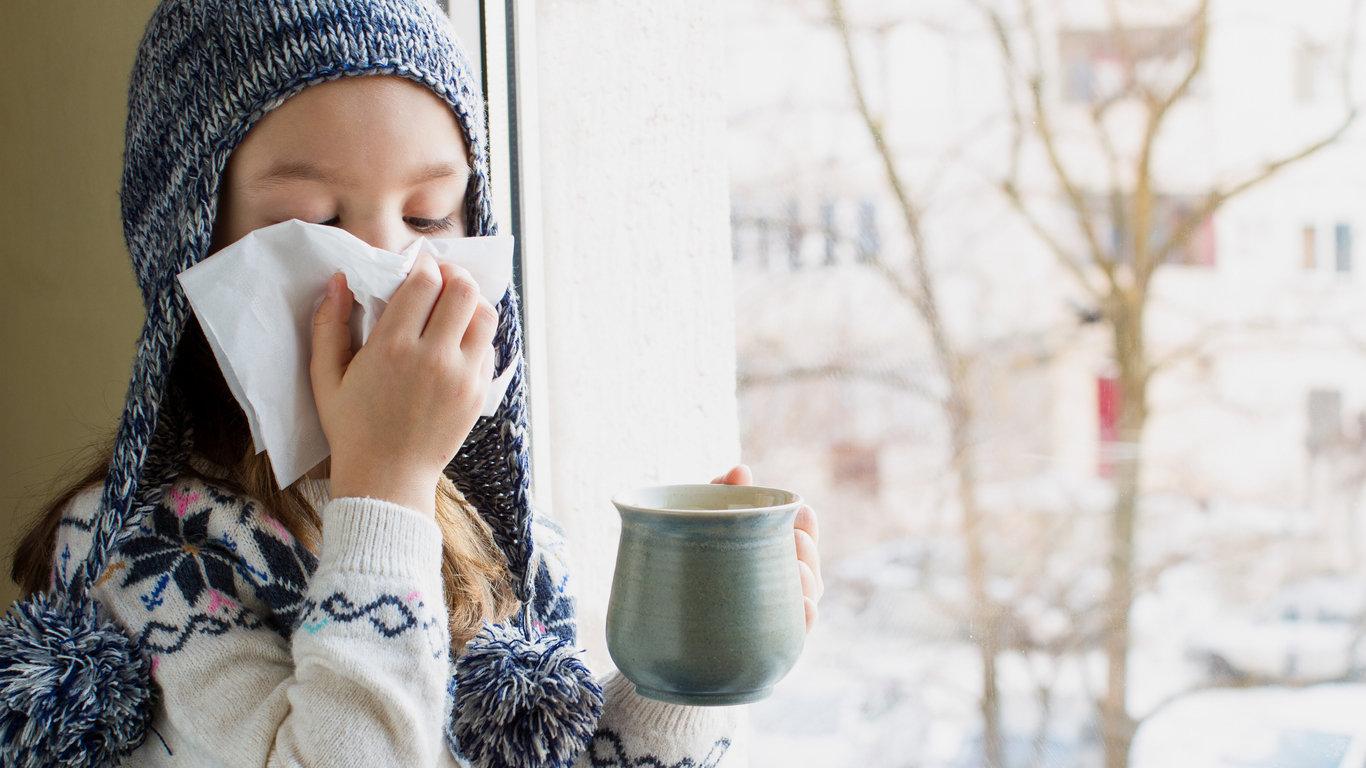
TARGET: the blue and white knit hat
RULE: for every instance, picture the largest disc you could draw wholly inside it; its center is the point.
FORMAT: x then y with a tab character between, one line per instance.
75	690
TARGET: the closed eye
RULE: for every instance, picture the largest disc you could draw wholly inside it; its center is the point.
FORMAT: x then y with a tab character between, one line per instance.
425	226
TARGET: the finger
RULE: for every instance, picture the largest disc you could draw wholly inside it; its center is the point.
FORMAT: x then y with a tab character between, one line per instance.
806	520
482	327
487	366
811	613
737	475
411	305
331	345
810	586
450	316
807	552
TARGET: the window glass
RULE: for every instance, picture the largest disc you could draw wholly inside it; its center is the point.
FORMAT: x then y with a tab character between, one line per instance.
1031	305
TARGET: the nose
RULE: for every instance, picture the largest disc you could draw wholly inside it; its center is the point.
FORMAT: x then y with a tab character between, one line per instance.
382	230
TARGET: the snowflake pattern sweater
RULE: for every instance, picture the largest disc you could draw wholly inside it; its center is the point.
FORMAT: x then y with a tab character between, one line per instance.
265	654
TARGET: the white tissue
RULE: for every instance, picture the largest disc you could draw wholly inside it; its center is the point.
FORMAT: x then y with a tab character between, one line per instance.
255	300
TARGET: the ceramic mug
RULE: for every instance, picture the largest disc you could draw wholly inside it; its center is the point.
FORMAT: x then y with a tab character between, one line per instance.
706	604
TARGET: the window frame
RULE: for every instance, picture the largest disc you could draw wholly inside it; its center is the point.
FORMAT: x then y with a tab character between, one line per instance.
503	31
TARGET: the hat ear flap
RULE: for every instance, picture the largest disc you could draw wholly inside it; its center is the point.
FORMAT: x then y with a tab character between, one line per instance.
492	468
154	437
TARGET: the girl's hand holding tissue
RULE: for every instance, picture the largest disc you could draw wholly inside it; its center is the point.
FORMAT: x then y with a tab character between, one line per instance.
396	411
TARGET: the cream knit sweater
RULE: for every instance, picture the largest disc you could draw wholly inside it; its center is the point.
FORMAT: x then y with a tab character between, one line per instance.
264	655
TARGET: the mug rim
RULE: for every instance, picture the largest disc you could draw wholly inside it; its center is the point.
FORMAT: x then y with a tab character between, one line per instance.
617	499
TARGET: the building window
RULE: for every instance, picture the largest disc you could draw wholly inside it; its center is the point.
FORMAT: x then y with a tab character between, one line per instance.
854	466
1309	66
869	242
1107	417
1342	247
1309	246
1169	212
794	235
1101	64
1199	250
758	228
828	230
1324	419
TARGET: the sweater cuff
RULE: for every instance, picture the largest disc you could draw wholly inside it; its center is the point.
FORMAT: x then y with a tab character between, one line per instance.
654	716
380	538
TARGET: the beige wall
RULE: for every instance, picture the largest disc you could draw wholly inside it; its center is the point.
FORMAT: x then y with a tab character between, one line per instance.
71	311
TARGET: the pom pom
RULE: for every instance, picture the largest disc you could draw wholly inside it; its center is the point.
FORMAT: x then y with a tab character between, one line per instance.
522	702
75	690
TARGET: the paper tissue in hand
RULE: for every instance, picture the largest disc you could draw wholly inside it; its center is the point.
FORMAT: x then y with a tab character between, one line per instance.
255	301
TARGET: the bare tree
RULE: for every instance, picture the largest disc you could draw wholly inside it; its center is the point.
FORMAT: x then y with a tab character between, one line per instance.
1121	283
1118	283
918	289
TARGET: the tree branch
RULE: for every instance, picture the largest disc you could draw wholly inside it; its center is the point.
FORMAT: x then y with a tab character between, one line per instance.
1217	197
1145	261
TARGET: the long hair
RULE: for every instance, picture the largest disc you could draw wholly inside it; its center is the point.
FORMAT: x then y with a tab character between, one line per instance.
475	574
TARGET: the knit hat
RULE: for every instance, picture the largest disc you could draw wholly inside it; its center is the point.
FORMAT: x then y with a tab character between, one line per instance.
75	689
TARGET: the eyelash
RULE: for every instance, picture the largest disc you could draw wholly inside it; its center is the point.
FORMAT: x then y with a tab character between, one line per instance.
422	225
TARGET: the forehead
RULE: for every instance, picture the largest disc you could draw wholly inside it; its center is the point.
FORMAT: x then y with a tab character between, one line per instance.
359	126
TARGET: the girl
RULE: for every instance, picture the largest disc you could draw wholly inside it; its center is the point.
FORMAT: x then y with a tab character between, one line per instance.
401	605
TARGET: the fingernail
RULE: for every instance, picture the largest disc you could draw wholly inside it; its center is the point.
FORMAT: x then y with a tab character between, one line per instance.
333	284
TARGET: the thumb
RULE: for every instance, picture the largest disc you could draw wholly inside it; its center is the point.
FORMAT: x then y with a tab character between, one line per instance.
331	337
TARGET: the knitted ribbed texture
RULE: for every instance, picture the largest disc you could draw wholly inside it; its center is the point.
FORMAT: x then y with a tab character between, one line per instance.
383	538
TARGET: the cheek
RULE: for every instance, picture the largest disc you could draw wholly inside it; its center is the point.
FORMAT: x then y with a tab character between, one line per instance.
225	230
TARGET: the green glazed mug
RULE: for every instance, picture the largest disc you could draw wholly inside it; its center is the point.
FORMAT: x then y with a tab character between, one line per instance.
706	603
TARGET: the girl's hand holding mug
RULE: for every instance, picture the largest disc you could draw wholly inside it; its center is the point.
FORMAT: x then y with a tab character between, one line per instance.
804	530
396	411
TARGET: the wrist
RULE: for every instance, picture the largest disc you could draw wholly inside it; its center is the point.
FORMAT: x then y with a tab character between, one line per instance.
411	492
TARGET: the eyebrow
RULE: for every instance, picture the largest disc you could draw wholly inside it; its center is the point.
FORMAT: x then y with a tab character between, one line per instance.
306	171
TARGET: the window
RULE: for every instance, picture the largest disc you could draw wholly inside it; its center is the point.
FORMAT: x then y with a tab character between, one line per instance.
1048	531
1097	65
756	228
1200	250
828	230
1341	261
1107	418
1308	68
1197	250
491	33
869	242
1324	419
1342	247
854	466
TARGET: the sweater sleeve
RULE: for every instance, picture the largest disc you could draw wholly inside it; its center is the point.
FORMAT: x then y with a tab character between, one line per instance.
264	655
633	729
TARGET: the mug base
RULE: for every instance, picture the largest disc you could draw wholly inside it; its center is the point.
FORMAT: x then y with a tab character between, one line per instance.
704	699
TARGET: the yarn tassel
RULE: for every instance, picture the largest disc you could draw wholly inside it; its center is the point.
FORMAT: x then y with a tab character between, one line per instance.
522	702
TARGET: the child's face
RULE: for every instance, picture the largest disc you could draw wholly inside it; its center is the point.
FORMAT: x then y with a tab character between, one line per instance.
377	155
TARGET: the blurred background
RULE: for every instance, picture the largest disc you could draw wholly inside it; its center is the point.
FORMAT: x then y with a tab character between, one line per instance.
1054	310
71	313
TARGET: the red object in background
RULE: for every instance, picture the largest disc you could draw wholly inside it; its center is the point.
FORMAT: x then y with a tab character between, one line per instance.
1204	255
1107	416
855	465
